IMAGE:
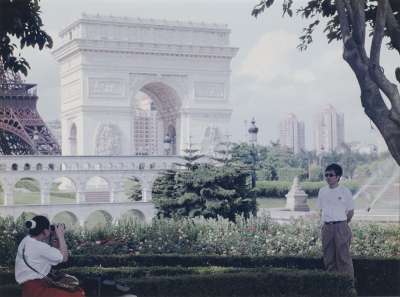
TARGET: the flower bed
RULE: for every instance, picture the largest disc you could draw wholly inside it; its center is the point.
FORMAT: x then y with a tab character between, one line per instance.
254	237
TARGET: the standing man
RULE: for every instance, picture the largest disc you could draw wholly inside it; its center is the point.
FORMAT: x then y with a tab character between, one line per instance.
337	209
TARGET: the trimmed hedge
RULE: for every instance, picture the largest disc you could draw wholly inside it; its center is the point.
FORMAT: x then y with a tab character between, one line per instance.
377	276
279	189
243	282
193	261
273	283
374	276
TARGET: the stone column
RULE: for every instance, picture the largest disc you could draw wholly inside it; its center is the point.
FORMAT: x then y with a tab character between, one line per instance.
45	196
8	197
116	188
296	199
8	192
45	192
147	183
146	193
80	192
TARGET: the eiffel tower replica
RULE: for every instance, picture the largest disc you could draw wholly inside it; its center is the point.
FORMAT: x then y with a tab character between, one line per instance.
22	130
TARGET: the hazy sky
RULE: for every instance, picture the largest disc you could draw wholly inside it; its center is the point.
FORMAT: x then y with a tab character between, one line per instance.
270	77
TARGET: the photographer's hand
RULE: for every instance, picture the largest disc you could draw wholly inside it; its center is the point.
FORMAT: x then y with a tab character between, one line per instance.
60	231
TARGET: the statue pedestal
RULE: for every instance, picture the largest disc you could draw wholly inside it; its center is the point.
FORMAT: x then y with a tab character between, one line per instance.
296	199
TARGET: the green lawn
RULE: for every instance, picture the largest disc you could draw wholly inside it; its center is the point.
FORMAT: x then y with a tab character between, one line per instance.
361	203
280	202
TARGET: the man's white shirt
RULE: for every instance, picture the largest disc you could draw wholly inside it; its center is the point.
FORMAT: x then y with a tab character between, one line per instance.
334	203
39	255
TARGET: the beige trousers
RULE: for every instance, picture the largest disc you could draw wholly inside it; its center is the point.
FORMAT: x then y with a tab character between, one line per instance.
336	240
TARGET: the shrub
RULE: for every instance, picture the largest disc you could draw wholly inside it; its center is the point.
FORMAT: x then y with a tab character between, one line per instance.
280	188
257	236
204	190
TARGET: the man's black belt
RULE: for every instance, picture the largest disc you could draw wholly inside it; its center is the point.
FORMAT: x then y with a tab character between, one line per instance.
334	222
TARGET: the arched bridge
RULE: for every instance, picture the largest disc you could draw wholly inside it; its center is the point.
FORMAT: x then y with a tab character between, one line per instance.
81	185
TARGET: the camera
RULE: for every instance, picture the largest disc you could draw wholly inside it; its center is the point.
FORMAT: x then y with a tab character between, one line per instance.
53	226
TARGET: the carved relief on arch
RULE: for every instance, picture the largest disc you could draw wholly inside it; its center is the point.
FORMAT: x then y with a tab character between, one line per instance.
108	140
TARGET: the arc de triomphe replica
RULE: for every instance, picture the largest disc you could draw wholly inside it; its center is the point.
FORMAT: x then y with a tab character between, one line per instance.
105	61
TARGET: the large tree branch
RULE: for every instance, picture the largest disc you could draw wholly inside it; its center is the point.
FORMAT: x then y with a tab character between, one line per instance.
358	11
379	31
343	19
377	75
358	32
393	28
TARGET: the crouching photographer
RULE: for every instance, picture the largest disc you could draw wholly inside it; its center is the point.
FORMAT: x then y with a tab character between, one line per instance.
35	258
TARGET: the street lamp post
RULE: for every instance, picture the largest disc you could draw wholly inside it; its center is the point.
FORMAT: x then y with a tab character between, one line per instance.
253	130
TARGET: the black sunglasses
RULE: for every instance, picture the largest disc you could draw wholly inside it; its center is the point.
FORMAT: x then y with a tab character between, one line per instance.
329	175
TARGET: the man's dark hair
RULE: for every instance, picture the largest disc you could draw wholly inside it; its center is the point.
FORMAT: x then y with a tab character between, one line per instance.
336	168
37	224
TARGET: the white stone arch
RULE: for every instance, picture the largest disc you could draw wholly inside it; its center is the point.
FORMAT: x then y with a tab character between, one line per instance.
179	84
25	215
97	189
108	139
168	97
27	194
62	189
66	217
73	139
134	215
108	219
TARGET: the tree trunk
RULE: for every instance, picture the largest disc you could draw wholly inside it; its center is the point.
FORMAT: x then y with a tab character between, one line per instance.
369	74
388	123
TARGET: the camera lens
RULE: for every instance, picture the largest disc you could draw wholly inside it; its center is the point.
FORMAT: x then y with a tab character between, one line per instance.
53	227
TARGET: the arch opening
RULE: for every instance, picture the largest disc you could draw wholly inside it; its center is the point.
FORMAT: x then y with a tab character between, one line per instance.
98	219
62	190
23	217
97	190
132	215
27	191
68	218
132	189
155	109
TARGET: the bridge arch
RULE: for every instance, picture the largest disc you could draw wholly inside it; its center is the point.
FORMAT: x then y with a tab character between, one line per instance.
97	189
24	216
132	189
27	190
66	217
62	190
133	215
98	219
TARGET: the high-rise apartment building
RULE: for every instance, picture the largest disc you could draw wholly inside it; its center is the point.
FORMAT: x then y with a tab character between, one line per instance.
145	127
328	130
291	133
